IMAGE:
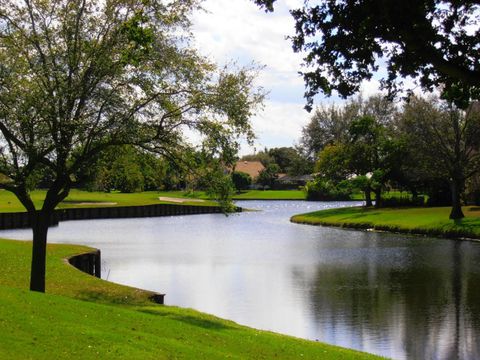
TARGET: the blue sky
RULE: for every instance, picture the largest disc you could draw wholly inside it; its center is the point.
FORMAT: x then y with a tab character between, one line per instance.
237	30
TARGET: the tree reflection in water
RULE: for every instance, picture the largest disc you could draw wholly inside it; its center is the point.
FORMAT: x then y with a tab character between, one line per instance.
411	302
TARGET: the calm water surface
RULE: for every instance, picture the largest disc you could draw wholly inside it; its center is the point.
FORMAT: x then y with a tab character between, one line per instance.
398	296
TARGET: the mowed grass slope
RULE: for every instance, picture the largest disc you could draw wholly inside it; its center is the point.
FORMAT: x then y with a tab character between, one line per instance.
9	203
431	221
81	317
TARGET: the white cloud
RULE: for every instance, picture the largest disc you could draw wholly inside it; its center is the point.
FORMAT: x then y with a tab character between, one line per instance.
240	31
280	126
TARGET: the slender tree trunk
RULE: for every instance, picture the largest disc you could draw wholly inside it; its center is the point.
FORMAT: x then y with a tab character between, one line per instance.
40	222
368	197
456	212
378	198
414	195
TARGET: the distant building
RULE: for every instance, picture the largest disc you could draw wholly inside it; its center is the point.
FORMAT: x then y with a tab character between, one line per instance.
292	182
252	168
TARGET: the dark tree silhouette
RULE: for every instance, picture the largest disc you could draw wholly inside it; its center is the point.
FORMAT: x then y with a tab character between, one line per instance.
433	41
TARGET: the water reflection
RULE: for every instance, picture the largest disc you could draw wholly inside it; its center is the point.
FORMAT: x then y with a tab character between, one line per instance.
398	296
404	300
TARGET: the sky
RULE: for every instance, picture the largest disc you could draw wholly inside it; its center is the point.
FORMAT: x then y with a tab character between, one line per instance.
239	31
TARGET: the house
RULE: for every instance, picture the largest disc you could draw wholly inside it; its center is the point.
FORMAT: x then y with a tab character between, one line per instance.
252	168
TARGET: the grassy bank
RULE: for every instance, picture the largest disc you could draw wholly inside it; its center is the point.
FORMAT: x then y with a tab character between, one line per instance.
429	221
79	198
83	317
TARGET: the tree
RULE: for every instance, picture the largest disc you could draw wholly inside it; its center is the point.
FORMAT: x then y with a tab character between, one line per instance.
124	168
333	162
444	143
241	180
262	156
300	164
435	42
283	157
290	160
267	176
79	77
369	155
329	125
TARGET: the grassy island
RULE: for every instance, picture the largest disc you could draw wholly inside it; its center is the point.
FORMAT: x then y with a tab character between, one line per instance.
428	221
83	317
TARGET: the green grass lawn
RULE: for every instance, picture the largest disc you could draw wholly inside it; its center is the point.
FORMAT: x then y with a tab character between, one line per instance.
9	203
82	317
270	195
433	221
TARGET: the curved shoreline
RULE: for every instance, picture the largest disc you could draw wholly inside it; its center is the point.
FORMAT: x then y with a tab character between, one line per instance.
115	314
89	262
387	229
349	220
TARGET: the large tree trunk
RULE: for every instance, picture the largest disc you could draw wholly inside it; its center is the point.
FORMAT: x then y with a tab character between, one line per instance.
456	188
368	197
40	222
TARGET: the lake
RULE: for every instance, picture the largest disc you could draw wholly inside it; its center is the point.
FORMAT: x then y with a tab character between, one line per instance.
399	296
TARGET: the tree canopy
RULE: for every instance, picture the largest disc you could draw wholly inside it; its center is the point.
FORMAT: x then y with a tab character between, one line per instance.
435	42
79	77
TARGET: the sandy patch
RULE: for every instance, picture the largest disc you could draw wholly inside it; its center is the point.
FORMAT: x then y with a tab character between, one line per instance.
178	200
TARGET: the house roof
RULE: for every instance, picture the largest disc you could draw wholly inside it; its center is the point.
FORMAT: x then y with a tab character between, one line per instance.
252	168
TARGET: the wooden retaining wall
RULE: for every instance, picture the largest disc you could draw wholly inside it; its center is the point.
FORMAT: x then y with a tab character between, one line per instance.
134	211
21	219
90	263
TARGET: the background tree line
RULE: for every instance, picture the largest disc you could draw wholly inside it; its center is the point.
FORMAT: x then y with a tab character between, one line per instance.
425	145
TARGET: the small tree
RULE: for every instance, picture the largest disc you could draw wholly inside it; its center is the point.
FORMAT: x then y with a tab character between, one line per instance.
79	77
241	180
267	176
369	153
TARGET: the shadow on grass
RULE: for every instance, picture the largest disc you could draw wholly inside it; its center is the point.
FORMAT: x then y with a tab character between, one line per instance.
345	213
335	212
190	320
105	297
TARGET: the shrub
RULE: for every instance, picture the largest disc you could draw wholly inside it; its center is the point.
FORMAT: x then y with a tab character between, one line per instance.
241	180
325	190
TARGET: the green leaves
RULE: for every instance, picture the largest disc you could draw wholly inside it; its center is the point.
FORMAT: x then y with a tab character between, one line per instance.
140	37
79	77
344	42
